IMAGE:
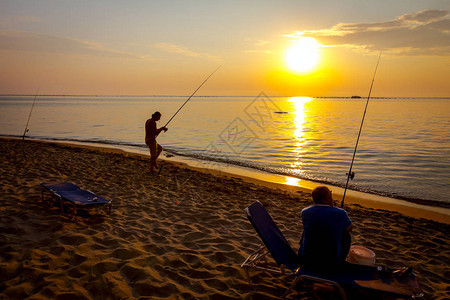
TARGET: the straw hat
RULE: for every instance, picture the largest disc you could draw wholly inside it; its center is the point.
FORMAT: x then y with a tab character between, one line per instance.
361	255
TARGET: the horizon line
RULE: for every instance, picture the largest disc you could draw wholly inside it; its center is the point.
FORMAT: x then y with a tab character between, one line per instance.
215	96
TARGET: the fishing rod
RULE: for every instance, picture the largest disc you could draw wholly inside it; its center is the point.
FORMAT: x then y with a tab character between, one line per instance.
350	174
29	116
192	95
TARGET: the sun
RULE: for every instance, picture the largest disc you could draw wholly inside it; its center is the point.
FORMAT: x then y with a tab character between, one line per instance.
304	55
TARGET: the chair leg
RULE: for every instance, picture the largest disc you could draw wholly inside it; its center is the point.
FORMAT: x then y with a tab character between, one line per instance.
61	205
74	208
43	194
249	278
294	283
247	273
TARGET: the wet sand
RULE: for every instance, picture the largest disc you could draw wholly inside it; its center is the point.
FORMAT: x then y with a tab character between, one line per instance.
180	235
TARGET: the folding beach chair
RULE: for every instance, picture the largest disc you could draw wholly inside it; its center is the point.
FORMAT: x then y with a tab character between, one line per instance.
66	192
351	277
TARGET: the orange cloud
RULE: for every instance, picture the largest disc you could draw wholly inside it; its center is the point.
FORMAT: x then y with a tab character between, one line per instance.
33	42
176	49
422	33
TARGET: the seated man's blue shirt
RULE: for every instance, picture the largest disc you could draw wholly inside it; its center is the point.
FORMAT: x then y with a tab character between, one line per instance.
323	227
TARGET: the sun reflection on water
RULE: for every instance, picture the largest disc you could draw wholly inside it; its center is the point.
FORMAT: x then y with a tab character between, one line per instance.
299	133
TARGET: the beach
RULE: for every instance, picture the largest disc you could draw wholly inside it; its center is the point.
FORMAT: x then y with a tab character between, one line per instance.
180	235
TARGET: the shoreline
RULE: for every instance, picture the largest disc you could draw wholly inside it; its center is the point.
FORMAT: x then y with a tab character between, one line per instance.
249	172
276	181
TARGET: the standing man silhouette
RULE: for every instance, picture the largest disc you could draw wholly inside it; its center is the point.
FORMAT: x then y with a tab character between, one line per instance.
151	132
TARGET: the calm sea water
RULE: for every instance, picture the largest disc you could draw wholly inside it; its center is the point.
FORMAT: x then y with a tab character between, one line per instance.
404	150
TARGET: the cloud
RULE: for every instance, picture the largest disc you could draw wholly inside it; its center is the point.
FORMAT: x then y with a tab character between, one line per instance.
426	32
259	46
425	16
180	50
33	42
15	20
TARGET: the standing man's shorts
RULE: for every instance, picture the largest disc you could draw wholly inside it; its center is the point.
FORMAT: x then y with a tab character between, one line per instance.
153	148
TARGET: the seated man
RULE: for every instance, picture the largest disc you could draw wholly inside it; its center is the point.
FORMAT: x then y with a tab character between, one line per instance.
326	233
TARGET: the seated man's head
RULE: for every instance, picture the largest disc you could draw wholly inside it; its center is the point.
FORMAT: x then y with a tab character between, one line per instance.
322	195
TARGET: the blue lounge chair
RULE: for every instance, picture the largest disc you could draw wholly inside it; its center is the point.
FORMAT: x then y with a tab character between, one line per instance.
74	195
349	279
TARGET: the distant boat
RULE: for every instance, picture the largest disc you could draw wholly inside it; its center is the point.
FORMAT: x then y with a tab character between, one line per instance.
356	97
280	112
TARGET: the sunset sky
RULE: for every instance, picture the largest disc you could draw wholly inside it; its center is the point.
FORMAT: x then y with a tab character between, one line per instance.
111	47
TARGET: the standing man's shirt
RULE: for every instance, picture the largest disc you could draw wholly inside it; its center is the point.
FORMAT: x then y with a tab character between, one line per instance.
322	241
150	132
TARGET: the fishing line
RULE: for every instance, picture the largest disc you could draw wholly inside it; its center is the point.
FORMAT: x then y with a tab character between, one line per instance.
350	174
191	96
29	116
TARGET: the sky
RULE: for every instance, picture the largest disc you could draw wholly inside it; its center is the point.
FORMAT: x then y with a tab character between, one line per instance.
145	47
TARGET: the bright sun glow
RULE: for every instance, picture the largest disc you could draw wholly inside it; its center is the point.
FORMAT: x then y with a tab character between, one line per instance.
304	55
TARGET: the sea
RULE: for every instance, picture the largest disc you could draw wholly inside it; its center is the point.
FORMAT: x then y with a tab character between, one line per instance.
403	151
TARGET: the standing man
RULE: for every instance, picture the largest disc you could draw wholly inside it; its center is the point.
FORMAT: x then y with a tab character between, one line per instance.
151	132
326	233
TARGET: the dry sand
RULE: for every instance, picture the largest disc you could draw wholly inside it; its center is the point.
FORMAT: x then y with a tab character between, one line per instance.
181	235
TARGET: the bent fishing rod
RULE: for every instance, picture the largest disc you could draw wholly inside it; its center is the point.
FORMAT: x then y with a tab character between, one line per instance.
191	96
350	174
29	116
